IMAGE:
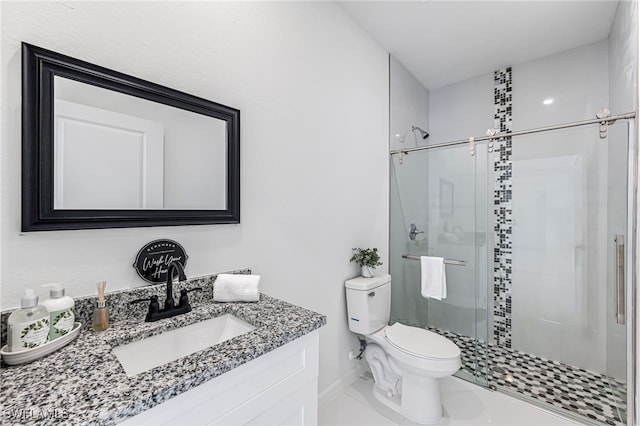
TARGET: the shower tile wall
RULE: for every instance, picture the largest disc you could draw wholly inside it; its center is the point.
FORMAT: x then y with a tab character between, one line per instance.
514	98
502	253
577	78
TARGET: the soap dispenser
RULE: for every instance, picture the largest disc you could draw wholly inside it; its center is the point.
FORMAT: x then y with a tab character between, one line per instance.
61	311
27	327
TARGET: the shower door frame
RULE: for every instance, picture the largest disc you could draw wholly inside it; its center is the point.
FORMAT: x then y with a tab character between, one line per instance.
631	276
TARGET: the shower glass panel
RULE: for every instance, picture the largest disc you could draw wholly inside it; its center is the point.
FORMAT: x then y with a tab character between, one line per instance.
566	351
438	202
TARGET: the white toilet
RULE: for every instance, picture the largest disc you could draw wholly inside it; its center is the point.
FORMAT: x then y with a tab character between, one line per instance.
406	362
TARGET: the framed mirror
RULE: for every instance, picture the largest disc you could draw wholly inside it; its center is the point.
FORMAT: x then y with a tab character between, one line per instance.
101	149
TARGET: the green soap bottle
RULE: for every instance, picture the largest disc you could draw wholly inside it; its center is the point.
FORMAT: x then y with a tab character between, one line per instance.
27	327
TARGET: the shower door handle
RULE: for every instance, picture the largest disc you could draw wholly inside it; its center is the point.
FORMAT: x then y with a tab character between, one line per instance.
620	280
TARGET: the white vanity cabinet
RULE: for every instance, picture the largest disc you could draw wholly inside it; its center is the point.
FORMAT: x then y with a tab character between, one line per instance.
278	388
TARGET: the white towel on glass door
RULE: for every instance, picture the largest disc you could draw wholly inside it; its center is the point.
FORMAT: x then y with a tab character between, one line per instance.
236	288
434	280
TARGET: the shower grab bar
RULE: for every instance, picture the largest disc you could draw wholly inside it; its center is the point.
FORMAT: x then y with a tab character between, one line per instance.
620	280
447	261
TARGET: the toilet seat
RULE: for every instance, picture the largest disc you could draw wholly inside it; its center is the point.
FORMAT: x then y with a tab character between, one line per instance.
420	343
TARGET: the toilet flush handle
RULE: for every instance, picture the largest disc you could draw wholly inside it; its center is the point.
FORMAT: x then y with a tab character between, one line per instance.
373	293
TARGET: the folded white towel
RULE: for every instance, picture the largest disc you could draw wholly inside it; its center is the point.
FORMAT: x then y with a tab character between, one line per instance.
434	280
236	288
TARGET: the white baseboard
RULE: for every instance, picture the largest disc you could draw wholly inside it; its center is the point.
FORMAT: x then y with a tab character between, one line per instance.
339	385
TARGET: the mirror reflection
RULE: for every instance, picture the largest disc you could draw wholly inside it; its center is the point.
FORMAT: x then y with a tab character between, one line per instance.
117	151
102	149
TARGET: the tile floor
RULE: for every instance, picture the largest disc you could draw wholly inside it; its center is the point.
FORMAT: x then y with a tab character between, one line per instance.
593	396
464	404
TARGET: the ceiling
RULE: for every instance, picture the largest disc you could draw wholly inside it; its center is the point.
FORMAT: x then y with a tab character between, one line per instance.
442	42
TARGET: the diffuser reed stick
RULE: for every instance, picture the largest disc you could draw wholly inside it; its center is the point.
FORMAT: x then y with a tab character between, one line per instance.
101	312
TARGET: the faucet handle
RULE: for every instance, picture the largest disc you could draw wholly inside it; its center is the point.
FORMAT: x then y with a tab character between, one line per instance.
154	306
184	297
413	231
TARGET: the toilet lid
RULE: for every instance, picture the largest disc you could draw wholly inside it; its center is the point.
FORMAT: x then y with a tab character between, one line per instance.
421	342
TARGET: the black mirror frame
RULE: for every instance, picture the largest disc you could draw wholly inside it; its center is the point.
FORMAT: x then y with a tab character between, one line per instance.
39	67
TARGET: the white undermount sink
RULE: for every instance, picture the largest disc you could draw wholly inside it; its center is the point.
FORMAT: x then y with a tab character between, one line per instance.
142	355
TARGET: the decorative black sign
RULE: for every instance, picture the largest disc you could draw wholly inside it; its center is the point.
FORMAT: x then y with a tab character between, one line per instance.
154	258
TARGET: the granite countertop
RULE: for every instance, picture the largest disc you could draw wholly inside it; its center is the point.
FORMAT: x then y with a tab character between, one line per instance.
83	383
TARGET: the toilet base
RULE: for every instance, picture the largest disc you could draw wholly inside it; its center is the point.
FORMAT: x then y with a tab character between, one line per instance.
392	401
419	402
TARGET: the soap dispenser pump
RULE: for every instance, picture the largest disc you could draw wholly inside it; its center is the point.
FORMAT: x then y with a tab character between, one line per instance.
61	311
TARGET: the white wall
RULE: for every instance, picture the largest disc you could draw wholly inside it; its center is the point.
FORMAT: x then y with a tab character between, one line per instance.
409	106
313	91
576	80
409	196
461	110
623	55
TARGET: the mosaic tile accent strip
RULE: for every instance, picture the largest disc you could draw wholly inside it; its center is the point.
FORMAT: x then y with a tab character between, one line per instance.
594	397
502	253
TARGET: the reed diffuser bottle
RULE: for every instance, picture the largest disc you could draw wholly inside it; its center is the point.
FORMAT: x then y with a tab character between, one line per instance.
101	312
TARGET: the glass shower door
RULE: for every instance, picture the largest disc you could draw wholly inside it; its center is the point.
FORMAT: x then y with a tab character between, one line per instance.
439	208
566	350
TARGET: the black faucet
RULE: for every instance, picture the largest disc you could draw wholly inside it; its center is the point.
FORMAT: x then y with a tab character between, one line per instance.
169	310
173	266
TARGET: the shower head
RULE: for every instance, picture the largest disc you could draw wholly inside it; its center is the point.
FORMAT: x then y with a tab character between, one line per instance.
422	132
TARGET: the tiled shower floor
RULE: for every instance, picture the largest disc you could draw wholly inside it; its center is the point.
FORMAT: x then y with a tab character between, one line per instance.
591	396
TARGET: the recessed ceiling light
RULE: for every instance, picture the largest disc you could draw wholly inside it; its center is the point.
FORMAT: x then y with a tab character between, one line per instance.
548	101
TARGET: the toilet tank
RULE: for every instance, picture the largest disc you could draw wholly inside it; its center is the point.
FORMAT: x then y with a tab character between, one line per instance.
368	303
